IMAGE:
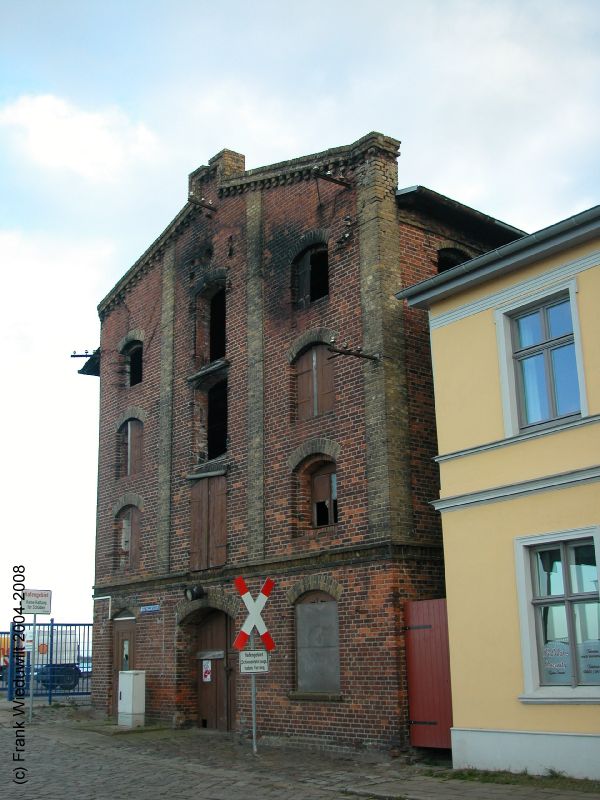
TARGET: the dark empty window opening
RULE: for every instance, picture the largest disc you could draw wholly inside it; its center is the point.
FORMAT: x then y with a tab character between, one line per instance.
217	326
324	496
135	363
310	276
217	420
449	257
319	275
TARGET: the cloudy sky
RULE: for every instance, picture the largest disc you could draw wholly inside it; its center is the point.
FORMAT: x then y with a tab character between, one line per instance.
107	105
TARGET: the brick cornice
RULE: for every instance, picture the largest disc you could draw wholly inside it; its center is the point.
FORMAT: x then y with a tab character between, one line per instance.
339	161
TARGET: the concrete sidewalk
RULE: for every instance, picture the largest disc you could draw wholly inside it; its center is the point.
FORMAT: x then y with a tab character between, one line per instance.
70	755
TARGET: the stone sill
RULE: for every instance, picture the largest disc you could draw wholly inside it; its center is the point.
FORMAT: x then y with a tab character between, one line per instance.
318	697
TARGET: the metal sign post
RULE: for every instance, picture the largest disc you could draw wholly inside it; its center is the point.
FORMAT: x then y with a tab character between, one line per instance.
35	601
246	634
32	669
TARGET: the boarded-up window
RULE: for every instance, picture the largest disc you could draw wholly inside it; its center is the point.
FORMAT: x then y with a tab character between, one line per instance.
208	545
317	644
324	496
128	525
310	276
315	386
130	439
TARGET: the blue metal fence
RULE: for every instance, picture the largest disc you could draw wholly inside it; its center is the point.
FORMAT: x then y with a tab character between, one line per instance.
62	664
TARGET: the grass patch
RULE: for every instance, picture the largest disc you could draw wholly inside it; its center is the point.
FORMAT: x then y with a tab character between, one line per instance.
552	780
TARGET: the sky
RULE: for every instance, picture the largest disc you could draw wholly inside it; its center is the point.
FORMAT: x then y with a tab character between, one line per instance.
106	106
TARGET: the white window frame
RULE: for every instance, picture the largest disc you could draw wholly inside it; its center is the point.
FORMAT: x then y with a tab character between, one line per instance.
533	692
508	384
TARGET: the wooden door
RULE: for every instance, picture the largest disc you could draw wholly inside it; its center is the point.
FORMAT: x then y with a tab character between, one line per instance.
216	675
123	654
428	673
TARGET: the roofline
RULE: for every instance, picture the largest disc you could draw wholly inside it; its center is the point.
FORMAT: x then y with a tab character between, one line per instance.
442	200
567	233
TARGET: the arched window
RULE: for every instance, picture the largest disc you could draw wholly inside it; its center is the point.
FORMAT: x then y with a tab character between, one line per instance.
127	534
317	644
323	496
134	362
315	384
310	276
130	448
449	257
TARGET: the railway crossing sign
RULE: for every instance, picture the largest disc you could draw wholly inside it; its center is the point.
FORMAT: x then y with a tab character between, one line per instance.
254	618
253	661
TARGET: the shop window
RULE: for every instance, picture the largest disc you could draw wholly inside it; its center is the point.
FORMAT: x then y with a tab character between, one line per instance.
315	384
216	428
130	448
560	613
310	276
317	644
208	545
324	502
128	538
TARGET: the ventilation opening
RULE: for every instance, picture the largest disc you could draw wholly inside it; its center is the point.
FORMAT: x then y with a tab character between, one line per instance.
217	420
319	275
449	257
204	723
217	326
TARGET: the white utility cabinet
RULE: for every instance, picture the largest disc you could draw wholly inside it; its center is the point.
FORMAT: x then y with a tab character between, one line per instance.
132	698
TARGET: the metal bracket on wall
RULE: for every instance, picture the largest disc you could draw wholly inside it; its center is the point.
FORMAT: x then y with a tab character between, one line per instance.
358	353
201	201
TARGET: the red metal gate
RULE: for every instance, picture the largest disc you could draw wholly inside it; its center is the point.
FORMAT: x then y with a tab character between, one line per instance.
428	673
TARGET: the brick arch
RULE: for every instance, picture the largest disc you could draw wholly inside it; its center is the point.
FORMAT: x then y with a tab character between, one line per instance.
309	239
133	412
120	607
313	447
215	598
128	499
313	336
314	583
135	335
210	281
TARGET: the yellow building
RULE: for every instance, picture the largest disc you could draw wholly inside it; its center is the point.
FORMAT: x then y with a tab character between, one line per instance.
515	337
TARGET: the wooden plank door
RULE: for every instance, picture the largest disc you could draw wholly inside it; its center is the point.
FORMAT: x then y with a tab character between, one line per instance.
428	673
216	677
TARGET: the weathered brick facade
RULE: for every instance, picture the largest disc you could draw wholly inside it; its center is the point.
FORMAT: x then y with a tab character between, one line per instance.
243	230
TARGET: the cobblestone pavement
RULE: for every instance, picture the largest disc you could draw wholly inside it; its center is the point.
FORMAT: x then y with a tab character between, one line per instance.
81	759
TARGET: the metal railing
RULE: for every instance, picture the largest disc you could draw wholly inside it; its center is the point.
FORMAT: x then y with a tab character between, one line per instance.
62	664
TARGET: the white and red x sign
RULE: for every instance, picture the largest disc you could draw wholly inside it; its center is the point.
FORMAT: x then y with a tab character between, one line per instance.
254	618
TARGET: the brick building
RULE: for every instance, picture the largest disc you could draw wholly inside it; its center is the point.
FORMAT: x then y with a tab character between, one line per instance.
267	410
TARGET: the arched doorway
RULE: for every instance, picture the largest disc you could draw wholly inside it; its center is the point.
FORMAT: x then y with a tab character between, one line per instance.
216	672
